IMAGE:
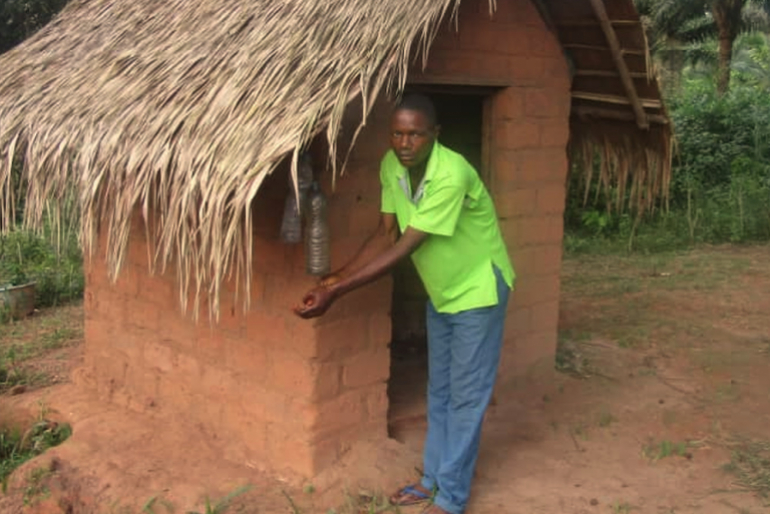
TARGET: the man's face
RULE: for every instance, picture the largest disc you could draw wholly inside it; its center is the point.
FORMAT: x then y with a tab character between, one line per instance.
411	137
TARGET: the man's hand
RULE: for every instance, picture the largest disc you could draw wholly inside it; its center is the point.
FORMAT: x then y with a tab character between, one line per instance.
316	302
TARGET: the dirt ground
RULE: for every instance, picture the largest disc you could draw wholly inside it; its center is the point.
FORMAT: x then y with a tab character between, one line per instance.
662	406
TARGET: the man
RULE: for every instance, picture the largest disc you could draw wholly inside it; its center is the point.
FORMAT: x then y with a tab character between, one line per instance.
448	225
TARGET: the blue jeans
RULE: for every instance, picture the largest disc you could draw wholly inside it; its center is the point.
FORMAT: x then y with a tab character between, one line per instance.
463	354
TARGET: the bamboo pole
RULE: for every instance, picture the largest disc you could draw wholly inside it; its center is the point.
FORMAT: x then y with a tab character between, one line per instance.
609	74
594	23
599	112
620	63
581	46
614	99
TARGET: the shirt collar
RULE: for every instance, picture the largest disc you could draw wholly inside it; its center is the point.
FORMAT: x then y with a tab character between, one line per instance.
432	163
403	180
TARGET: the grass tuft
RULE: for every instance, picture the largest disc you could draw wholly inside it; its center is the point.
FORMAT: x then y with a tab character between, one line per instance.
655	451
750	463
16	447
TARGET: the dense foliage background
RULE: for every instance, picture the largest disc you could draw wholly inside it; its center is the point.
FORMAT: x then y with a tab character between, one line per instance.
721	179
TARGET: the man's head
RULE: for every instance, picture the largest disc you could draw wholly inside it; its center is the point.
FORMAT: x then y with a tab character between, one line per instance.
413	130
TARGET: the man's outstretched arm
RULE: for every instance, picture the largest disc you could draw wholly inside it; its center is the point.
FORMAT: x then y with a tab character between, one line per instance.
383	238
318	301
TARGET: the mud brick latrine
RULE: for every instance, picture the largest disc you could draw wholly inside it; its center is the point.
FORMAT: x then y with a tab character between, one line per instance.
292	396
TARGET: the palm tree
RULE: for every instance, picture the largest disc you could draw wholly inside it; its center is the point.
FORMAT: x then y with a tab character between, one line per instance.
728	15
751	60
732	19
678	29
673	28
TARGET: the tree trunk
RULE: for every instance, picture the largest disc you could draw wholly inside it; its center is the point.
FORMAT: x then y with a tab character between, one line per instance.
727	15
725	63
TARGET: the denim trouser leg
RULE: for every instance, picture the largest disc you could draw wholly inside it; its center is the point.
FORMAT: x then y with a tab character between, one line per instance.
464	351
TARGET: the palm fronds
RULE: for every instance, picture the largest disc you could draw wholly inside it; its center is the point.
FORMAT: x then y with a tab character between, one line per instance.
183	108
175	112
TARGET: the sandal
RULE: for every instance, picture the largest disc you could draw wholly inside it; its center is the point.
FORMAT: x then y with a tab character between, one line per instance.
410	495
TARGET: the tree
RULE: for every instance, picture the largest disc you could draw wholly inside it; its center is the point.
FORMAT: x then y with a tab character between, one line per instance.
673	28
733	18
21	18
728	17
751	61
679	31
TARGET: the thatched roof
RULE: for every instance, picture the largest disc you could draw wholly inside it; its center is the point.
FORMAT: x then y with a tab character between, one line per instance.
617	109
183	108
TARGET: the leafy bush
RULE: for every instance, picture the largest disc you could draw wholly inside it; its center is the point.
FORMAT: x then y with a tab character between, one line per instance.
17	448
720	190
26	256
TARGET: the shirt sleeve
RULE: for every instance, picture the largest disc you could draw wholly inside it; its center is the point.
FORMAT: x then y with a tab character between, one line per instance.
439	209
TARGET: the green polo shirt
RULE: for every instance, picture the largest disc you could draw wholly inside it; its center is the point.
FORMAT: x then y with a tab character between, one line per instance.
453	206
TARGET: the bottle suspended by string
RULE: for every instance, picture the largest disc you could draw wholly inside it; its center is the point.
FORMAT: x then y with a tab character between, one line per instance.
291	225
317	238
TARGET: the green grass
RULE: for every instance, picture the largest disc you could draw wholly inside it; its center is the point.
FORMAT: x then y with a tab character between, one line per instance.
569	356
220	506
11	455
367	503
606	418
24	341
655	451
16	448
750	464
58	338
603	277
621	508
36	489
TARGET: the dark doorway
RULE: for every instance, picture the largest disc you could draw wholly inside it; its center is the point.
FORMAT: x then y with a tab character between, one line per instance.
461	118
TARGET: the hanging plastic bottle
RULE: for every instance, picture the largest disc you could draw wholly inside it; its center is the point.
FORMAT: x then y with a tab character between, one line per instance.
317	239
291	225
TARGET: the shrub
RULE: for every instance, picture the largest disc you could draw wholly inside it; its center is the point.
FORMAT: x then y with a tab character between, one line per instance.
26	256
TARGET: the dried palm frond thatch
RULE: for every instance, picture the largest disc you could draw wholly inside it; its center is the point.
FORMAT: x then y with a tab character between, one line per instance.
620	132
634	167
182	108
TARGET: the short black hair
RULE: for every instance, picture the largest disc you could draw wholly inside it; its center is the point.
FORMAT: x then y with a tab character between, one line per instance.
420	103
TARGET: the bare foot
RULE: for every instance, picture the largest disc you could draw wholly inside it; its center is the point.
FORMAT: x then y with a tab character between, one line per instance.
411	495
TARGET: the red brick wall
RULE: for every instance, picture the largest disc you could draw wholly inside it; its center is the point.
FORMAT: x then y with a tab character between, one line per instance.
283	393
293	395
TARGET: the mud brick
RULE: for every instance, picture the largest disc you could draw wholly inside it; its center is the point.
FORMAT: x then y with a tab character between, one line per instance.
526	70
343	412
508	104
304	378
518	322
531	291
518	134
544	103
158	355
342	338
365	369
555	134
517	203
545	316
